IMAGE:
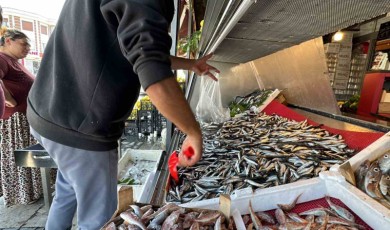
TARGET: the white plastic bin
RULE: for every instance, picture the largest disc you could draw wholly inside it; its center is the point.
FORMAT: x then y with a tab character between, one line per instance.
134	155
329	184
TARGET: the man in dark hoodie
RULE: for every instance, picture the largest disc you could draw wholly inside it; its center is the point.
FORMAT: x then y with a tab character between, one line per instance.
98	56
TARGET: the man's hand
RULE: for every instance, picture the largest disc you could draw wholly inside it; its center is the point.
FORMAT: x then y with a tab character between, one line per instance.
195	142
200	67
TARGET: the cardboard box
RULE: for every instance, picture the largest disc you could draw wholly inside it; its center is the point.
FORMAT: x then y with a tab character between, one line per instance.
125	198
332	47
343	64
384	107
328	184
281	99
385	96
342	75
340	83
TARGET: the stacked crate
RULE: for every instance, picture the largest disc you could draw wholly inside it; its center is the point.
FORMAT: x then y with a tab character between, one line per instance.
145	118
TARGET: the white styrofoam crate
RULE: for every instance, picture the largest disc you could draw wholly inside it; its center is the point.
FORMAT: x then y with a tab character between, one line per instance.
213	204
329	183
371	152
139	191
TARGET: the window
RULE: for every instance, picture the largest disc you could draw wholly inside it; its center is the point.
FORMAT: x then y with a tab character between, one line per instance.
44	30
28	29
27	26
5	22
32	66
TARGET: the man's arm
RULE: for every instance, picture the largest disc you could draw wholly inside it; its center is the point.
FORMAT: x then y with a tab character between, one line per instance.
169	99
199	66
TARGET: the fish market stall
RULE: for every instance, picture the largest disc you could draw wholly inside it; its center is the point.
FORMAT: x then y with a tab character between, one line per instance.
266	147
260	151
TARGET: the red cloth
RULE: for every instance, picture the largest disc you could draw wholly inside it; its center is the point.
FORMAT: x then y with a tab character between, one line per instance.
354	140
2	102
18	80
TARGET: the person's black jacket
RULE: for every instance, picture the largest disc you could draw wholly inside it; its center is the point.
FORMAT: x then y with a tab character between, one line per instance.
97	57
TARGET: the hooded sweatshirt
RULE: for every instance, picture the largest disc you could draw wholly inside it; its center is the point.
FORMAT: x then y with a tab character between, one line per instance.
96	59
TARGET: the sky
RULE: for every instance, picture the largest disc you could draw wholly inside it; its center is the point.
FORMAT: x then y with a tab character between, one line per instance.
47	8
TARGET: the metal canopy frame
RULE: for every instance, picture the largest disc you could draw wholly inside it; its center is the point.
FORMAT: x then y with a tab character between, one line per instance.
267	26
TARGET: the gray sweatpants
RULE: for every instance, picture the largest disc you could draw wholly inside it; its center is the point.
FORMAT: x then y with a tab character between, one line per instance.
86	181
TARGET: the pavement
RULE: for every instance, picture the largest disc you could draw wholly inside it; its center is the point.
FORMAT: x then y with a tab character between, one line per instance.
34	216
23	217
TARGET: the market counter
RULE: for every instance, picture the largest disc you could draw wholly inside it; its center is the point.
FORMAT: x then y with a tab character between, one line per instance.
36	156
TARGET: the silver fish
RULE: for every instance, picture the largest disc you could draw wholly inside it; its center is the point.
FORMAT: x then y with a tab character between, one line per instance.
137	210
384	162
373	174
110	226
384	184
263	216
172	219
295	217
255	220
288	207
280	216
208	218
314	212
195	226
132	218
360	174
344	213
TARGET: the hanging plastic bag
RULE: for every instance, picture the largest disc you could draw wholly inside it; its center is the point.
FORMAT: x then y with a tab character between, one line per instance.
209	108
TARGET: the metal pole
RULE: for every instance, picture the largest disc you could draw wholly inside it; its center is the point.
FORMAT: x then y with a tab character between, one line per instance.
174	30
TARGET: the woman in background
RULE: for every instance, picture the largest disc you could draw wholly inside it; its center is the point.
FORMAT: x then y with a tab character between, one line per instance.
18	185
2	100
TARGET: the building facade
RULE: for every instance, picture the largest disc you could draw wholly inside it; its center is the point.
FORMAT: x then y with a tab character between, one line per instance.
38	28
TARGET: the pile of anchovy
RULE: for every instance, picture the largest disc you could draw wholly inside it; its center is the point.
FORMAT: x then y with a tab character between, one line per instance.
334	217
169	216
258	151
373	178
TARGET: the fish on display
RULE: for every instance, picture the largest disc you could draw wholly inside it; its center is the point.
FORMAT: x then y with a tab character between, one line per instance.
256	151
170	216
384	162
373	178
334	217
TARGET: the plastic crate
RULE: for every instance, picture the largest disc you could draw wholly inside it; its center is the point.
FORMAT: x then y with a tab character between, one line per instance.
145	121
328	184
